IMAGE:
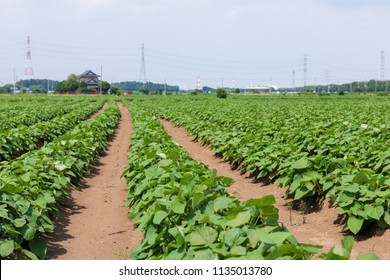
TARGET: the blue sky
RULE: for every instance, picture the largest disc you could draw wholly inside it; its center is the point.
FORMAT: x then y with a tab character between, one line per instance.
252	42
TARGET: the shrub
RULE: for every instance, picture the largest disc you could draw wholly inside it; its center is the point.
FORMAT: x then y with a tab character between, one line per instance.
221	93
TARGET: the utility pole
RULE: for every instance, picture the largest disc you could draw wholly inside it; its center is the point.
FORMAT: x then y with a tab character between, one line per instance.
14	80
101	78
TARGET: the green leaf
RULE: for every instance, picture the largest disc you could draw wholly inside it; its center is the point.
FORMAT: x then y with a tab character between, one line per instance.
276	238
385	193
360	178
6	248
241	219
41	201
267	200
311	175
30	255
348	242
38	247
301	164
27	176
11	188
221	203
368	256
59	166
327	186
159	217
28	231
19	222
301	192
202	235
234	237
387	218
205	255
238	251
255	235
374	212
355	223
178	207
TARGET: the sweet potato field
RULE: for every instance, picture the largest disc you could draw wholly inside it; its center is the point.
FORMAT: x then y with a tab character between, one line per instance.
312	148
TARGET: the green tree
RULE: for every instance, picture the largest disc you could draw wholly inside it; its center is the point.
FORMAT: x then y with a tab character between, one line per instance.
195	92
144	90
7	88
73	82
221	93
105	86
115	90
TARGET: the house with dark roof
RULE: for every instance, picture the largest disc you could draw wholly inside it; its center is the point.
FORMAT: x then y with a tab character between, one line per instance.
90	78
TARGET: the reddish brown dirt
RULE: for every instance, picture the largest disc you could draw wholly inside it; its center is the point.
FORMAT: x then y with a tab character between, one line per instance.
94	115
317	227
94	222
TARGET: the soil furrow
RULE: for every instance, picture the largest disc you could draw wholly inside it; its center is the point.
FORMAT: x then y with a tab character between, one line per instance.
318	226
94	222
94	115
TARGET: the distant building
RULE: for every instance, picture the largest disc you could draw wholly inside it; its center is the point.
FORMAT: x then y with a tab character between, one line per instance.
90	78
262	89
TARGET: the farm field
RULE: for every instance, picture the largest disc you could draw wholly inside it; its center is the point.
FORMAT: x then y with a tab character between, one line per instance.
267	178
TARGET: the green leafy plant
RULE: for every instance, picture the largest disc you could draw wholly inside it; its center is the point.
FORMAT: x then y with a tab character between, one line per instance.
31	185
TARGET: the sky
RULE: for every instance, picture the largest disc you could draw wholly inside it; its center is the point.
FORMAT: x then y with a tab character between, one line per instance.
223	42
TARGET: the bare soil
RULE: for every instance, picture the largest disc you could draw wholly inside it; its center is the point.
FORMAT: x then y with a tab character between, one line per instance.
94	222
319	226
94	115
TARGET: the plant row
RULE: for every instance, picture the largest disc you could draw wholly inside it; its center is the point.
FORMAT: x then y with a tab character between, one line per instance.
31	185
333	147
43	111
185	211
21	139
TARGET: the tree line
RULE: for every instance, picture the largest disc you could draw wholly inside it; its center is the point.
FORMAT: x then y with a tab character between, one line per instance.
148	86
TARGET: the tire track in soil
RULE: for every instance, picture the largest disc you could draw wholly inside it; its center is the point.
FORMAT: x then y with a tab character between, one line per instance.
317	227
94	223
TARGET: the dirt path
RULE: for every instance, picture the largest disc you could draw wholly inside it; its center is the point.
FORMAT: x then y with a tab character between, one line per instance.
318	227
94	222
94	115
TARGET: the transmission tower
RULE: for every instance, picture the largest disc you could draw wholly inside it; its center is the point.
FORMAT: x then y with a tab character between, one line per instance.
304	71
293	80
142	72
327	78
28	70
198	83
382	65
